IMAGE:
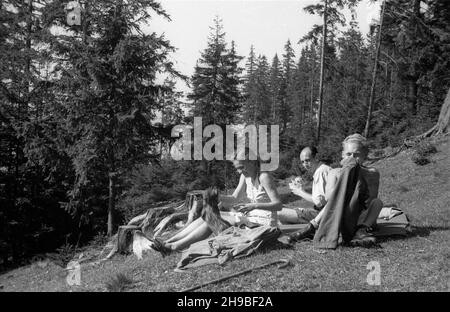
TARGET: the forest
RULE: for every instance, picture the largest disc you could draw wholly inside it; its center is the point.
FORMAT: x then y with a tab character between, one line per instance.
85	120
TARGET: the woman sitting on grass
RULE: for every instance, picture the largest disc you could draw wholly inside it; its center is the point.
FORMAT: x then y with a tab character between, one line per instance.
256	187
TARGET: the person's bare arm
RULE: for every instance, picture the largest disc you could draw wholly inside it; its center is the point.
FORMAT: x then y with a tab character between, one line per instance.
302	193
227	201
240	189
299	190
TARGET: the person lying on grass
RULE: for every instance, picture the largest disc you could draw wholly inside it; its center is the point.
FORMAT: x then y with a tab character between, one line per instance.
354	146
256	187
317	197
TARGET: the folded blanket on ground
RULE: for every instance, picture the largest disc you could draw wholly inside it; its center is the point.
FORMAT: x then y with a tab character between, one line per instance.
391	221
233	242
395	226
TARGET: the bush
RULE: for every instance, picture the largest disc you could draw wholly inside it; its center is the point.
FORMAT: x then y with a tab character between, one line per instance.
63	255
422	152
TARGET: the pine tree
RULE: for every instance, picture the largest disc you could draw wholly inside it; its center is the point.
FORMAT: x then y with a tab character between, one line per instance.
347	109
416	50
23	89
286	88
262	108
249	91
171	104
329	11
107	95
233	80
303	83
275	84
375	71
216	94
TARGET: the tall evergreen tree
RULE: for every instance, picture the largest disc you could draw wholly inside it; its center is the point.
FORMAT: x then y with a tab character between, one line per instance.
350	82
287	85
262	108
170	103
107	95
216	94
26	196
332	17
249	91
275	85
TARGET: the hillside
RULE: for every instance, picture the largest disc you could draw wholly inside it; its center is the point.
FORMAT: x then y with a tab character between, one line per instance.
420	262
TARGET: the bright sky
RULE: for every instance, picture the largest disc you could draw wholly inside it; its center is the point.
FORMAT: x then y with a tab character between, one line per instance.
265	24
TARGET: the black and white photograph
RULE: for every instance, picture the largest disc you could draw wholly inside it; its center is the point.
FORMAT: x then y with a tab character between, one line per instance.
241	149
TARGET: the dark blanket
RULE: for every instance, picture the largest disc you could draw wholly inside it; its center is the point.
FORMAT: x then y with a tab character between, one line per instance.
232	243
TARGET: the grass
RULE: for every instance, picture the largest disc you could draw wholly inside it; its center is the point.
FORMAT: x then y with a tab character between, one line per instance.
119	283
421	153
419	262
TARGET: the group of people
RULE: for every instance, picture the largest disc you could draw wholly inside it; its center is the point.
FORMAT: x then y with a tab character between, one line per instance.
343	201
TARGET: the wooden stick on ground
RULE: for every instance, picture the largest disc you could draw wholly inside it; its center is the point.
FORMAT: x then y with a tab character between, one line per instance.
284	263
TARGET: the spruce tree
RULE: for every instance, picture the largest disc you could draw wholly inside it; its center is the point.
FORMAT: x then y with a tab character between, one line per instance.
249	90
216	94
275	85
107	94
23	92
262	108
286	88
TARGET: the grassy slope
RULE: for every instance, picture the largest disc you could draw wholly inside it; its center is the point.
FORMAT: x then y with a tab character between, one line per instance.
417	263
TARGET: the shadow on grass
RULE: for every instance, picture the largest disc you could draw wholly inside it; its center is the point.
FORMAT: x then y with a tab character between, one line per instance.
416	231
422	231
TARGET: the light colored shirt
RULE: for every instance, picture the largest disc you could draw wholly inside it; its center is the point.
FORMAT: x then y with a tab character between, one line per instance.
257	194
319	185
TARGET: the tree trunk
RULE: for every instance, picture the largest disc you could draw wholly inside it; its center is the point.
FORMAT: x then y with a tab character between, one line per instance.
374	73
412	94
125	238
442	126
444	116
322	68
414	76
311	104
111	202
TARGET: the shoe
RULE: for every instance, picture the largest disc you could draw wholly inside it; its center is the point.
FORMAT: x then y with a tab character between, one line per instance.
306	233
363	237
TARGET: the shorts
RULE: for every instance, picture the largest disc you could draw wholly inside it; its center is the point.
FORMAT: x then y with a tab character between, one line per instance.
305	215
239	219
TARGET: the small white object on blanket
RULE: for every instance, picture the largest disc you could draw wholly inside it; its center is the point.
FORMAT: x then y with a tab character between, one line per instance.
140	244
388	213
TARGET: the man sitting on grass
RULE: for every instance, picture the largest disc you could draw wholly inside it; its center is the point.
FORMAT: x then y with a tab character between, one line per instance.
353	207
317	197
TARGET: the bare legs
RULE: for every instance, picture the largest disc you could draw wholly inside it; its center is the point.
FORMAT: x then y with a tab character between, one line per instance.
291	215
191	235
196	231
288	216
185	231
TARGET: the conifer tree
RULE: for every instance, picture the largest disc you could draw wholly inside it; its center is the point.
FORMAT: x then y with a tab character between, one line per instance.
107	94
249	91
216	94
275	84
286	88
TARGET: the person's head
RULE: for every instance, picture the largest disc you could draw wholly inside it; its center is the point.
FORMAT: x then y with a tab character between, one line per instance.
355	146
246	163
308	157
